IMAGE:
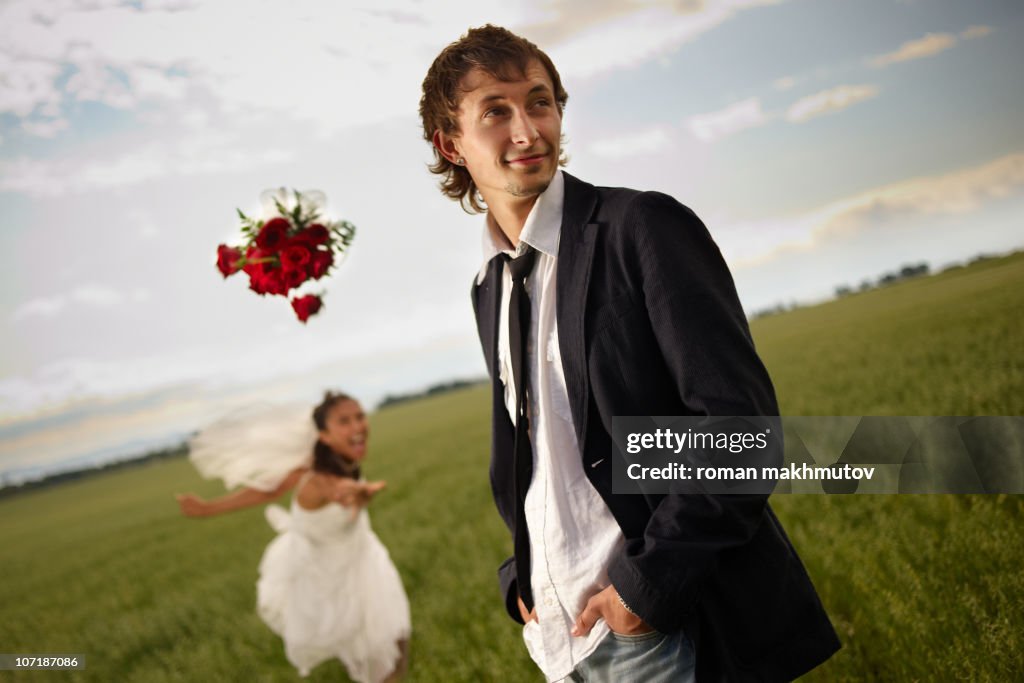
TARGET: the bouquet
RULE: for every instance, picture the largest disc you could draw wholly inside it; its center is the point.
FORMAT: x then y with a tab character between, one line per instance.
289	246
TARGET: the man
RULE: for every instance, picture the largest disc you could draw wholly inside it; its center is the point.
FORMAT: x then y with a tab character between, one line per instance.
595	302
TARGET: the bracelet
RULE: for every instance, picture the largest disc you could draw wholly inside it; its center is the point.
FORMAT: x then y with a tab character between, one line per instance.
624	605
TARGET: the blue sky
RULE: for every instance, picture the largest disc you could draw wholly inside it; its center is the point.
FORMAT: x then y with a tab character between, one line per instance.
822	142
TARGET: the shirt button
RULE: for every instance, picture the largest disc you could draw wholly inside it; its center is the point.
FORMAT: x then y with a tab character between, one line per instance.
549	602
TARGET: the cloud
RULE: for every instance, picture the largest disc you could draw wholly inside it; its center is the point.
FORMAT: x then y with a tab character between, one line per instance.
931	44
201	154
95	296
43	307
958	192
646	142
784	83
44	128
27	83
829	101
975	32
716	125
585	38
928	46
306	60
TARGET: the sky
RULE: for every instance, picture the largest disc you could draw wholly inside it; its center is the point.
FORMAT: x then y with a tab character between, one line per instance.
823	143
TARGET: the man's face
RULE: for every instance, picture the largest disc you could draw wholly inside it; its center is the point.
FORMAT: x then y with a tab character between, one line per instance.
509	132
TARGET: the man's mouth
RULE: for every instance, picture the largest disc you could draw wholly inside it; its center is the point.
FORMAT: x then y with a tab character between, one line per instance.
529	159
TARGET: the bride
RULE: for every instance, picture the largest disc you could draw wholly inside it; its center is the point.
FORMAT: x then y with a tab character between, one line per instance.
327	585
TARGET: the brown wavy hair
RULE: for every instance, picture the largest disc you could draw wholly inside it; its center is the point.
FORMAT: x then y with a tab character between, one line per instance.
497	52
324	459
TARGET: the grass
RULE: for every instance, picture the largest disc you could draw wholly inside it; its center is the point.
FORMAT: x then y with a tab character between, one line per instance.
920	587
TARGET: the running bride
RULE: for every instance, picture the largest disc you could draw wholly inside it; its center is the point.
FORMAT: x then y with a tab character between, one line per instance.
326	585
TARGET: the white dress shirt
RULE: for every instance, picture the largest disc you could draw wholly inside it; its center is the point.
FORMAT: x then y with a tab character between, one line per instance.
573	535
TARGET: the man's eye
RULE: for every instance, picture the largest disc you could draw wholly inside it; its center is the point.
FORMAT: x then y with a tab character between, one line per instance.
542	103
494	111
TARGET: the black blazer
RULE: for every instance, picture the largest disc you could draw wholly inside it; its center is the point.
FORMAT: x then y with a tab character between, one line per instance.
649	324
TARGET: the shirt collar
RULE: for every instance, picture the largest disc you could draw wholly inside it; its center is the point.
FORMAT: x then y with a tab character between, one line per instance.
542	229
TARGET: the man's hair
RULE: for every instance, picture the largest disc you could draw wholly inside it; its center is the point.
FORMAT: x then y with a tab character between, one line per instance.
497	52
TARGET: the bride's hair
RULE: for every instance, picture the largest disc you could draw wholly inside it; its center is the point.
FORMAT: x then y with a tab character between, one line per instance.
324	459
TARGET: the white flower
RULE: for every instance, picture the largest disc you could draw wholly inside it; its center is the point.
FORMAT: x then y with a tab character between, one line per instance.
309	200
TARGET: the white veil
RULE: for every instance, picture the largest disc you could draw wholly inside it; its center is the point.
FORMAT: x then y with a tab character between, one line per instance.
255	446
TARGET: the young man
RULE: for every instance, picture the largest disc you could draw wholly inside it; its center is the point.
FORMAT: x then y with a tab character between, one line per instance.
594	302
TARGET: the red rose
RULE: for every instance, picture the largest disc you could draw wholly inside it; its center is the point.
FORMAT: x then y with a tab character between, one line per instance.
258	283
322	260
268	280
227	259
306	306
273	234
317	234
293	278
295	256
253	254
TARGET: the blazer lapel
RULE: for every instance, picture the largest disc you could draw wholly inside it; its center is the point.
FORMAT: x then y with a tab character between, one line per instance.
575	256
486	300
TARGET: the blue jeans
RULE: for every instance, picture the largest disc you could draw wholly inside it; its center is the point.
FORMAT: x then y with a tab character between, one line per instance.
646	658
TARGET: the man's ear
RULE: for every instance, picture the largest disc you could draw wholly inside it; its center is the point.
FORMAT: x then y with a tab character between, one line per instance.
447	145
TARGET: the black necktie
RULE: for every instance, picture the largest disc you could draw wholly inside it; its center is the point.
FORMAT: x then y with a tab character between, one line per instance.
519	330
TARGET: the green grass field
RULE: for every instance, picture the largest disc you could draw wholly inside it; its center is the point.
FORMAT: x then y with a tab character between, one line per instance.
920	588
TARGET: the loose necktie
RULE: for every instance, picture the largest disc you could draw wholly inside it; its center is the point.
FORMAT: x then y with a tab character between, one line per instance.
519	330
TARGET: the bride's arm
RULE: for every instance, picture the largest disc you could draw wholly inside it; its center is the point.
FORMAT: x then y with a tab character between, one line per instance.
193	506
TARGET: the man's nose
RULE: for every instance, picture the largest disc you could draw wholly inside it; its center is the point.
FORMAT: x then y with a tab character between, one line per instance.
523	131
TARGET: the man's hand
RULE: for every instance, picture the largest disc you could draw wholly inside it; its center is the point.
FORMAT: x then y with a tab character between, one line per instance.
527	616
605	605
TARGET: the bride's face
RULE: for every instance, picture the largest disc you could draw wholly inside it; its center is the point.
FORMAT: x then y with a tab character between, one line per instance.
346	430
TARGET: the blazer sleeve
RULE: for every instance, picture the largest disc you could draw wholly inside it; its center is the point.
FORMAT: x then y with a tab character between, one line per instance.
509	588
703	336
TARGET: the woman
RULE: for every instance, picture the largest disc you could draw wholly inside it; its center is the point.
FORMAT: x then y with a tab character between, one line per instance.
327	585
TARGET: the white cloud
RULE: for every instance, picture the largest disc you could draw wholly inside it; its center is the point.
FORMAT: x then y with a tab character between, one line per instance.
784	83
829	101
646	142
306	60
26	84
720	124
593	42
975	32
198	155
92	295
958	192
43	307
44	128
931	44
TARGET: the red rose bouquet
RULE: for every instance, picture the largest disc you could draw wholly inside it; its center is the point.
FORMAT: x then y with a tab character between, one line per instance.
291	245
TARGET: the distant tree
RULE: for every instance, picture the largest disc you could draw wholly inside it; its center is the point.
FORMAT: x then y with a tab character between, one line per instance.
909	271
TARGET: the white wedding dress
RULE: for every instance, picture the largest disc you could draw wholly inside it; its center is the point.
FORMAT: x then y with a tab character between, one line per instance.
328	587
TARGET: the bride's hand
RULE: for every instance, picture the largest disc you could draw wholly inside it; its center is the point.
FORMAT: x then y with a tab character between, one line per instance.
366	492
371	488
191	505
354	494
345	491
